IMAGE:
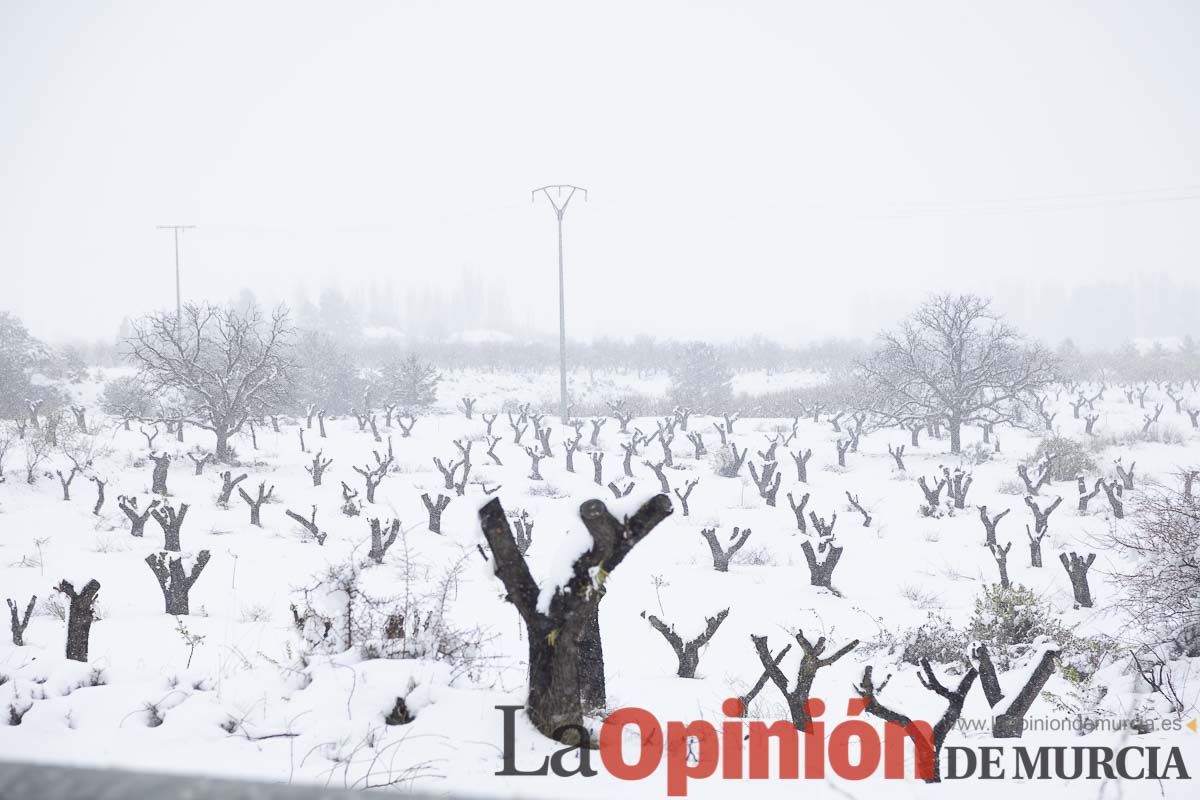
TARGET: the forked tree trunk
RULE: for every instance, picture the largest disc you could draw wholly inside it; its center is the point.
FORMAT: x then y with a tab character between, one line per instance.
80	615
173	581
19	623
565	659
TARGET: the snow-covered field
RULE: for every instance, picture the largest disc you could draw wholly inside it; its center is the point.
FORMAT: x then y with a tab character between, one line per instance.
253	698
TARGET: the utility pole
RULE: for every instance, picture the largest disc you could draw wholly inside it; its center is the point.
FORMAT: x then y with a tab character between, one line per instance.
559	204
178	295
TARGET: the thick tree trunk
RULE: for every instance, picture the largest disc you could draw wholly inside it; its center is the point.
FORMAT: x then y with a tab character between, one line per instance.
222	450
81	614
566	672
955	426
591	665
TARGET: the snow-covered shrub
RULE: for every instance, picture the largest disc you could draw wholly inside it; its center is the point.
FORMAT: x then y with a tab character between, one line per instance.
723	463
126	396
1008	621
932	511
325	375
1071	457
1164	434
935	639
916	594
700	379
348	607
755	557
977	453
1011	486
546	489
411	383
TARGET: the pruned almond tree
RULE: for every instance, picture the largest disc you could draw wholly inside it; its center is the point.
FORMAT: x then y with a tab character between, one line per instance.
566	657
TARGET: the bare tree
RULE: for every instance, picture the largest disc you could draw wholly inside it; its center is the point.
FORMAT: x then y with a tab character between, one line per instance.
729	468
1077	570
173	581
955	698
1085	496
768	482
374	475
228	484
798	510
309	525
1112	490
1001	555
100	484
720	556
843	447
801	458
1035	547
435	510
852	499
566	659
171	522
932	496
256	502
1008	723
524	535
162	464
18	623
688	653
318	467
200	459
657	468
1041	517
137	516
953	359
812	660
990	523
535	460
597	424
570	447
1160	561
229	364
820	570
381	540
622	414
80	615
1126	475
958	484
685	494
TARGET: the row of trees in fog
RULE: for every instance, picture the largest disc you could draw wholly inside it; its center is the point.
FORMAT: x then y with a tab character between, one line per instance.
953	362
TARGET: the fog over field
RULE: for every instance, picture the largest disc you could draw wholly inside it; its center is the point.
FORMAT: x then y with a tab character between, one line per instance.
817	167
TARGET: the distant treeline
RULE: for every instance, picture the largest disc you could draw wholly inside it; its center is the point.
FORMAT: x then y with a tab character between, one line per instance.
646	355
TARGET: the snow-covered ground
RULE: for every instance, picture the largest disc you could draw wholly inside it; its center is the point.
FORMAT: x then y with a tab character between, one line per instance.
257	701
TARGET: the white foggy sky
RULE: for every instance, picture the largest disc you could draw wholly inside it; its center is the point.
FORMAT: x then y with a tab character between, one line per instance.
753	166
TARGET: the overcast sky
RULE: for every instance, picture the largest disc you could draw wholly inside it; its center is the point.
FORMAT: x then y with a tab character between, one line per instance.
790	168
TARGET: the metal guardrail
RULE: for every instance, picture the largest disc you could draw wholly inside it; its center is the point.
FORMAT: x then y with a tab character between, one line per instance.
23	781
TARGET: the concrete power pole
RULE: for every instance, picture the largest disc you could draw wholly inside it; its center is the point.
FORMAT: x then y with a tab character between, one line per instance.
559	204
178	294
